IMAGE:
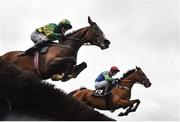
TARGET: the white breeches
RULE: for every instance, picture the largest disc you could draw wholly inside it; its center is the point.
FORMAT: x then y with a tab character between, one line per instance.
102	84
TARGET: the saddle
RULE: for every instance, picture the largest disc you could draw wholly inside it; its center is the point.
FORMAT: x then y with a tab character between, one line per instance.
100	93
40	50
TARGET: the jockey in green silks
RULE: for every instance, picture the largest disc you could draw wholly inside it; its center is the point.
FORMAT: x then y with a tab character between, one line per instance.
104	79
48	33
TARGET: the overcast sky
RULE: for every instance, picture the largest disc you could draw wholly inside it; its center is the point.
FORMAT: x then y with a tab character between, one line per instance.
143	33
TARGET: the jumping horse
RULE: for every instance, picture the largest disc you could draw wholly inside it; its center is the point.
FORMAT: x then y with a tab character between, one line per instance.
61	58
120	93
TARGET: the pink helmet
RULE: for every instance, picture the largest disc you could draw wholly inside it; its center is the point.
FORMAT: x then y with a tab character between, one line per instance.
114	69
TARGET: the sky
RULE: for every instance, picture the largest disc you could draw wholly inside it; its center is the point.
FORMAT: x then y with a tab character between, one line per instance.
143	33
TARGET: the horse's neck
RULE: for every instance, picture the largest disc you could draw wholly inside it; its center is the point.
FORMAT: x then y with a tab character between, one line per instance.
128	81
78	39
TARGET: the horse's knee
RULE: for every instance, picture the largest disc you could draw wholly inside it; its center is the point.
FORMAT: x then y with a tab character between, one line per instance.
137	101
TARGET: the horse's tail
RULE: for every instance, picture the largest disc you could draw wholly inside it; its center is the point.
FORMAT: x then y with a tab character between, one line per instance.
73	92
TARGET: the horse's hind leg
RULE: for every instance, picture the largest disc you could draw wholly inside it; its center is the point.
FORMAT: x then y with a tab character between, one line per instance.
77	69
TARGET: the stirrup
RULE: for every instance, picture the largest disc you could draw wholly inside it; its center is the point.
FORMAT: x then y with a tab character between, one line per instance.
108	93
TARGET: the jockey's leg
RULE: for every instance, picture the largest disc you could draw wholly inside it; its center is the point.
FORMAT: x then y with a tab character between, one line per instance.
39	39
77	69
107	89
37	46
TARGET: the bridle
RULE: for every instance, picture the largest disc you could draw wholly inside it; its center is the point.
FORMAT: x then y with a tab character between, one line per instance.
121	86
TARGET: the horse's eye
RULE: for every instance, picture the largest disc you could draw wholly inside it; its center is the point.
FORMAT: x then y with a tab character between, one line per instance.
95	28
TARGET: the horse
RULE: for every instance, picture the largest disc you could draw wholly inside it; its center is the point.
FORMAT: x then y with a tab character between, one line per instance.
61	58
120	93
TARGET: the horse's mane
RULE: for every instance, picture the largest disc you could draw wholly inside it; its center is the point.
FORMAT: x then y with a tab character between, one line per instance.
128	73
73	32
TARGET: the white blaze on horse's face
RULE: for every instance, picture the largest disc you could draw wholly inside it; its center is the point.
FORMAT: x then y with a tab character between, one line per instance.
98	36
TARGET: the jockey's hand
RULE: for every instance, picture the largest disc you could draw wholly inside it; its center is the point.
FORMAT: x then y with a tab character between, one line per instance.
63	37
115	81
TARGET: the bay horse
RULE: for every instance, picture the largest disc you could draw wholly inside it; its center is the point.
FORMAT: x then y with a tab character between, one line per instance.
61	58
120	93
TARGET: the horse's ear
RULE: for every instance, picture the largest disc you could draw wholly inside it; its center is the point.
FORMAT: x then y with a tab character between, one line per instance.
90	21
138	68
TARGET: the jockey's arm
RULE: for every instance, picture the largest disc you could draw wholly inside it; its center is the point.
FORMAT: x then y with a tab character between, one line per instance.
50	34
107	77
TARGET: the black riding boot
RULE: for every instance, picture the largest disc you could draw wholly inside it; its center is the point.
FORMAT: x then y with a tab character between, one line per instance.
38	45
107	89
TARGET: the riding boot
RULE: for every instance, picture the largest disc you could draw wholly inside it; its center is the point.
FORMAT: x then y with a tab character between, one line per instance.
38	45
107	88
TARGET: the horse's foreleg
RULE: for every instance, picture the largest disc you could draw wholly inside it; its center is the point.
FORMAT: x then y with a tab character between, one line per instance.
128	110
131	108
124	104
137	101
77	69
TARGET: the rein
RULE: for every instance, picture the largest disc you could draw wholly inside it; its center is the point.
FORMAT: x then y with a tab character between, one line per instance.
123	87
64	46
75	39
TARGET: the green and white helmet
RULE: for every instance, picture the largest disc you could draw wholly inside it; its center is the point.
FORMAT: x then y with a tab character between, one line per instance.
65	23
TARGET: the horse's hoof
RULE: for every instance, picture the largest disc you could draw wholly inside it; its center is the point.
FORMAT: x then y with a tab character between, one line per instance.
71	76
56	77
65	78
121	114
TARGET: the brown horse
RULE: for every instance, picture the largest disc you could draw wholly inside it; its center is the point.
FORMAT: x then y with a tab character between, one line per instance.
120	93
61	58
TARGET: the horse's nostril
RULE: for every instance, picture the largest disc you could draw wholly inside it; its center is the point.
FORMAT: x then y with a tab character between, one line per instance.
107	41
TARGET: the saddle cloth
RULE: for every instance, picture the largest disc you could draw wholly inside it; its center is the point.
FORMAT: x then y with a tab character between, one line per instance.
98	93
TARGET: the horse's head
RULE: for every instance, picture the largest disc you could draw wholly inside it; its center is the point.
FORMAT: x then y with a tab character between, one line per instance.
95	36
135	76
142	78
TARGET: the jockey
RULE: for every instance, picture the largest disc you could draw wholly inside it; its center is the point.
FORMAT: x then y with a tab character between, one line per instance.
49	33
105	79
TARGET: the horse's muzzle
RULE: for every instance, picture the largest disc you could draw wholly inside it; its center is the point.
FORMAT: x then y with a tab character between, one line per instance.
106	44
147	84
